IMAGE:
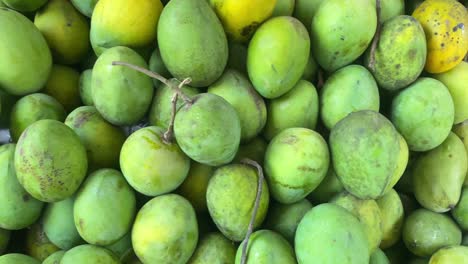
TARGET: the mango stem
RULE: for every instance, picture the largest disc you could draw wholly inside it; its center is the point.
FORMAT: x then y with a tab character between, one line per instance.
375	41
169	134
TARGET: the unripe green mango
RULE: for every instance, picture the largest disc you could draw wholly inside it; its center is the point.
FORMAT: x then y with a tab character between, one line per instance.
379	257
104	208
449	255
195	184
460	212
63	85
237	90
304	10
310	72
390	9
26	58
165	230
392	215
214	248
86	7
402	162
84	254
4	239
439	174
283	8
198	48
31	108
328	187
85	87
122	246
329	233
231	196
24	5
254	150
339	39
156	64
16	258
54	258
461	130
50	170
277	55
121	95
37	243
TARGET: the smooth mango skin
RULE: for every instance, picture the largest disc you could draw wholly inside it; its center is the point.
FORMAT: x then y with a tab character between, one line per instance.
231	196
65	30
121	95
24	5
391	9
425	232
26	58
104	207
400	53
349	89
460	212
17	208
304	10
277	56
86	7
254	150
237	90
156	65
50	170
365	151
423	113
54	258
310	72
89	253
284	218
403	158
449	255
329	233
456	81
16	258
165	230
198	48
111	28
4	239
85	87
444	22
265	247
439	174
31	108
241	18
63	85
328	187
37	243
283	8
214	248
208	130
379	257
338	40
122	246
150	165
461	130
297	108
296	161
392	215
195	184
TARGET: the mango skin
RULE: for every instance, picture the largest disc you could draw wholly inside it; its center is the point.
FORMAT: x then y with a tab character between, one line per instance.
50	170
460	212
54	258
85	87
156	65
297	108
321	237
63	85
461	130
392	215
296	161
121	95
165	230
16	258
444	22
391	9
267	247
199	48
37	243
402	162
304	10
24	5
214	248
195	184
425	232
400	53
4	239
452	254
230	198
151	166
283	8
277	56
27	60
439	174
85	253
328	187
31	108
338	40
85	7
379	257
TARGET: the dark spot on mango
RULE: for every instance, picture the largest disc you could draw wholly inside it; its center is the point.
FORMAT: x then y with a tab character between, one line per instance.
246	31
435	33
442	45
459	26
397	66
450	155
25	197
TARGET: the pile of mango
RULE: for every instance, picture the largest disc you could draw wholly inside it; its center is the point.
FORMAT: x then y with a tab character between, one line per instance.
233	131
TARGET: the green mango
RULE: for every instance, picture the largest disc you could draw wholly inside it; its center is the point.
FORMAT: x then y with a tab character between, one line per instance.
156	65
439	174
63	85
328	187
50	170
214	248
405	183
392	215
59	225
339	39
460	212
283	8
254	150
365	151
208	129
296	161
121	95
297	108
230	197
304	10
237	90
26	58
122	246
165	230
284	218
85	87
101	139
311	70
198	48
390	9
267	247
277	56
402	162
425	232
379	257
24	5
86	7
150	165
237	57
104	207
54	258
16	258
329	233
195	184
349	89
448	255
31	108
4	239
37	243
89	254
461	130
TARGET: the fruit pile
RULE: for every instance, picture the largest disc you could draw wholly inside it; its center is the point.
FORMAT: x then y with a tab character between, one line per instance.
233	131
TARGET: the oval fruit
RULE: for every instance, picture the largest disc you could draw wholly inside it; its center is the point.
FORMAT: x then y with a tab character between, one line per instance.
89	253
16	258
214	248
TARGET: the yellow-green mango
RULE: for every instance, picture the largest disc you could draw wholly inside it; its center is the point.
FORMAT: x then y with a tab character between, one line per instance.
165	230
121	95
65	30
439	174
460	212
195	184
390	9
50	170
156	65
198	48
304	10
16	258
339	39
84	254
310	72
214	248
283	8
461	130
254	150
63	85
24	5
86	7
26	58
328	187
54	258
38	244
379	257
277	56
85	87
449	255
392	215
402	163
